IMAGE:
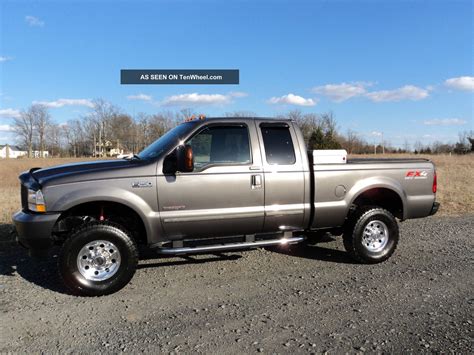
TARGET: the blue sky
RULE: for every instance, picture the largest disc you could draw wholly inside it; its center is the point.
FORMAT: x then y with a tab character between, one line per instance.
404	68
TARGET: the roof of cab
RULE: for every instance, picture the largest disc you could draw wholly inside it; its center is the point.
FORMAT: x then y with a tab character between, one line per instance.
233	119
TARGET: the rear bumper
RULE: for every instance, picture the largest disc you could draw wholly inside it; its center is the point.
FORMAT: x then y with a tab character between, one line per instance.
34	230
435	208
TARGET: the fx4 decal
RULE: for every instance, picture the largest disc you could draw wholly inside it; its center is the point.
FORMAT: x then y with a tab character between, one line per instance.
416	174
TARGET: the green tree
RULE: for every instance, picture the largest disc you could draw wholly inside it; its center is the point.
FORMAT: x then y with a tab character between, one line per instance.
316	139
330	141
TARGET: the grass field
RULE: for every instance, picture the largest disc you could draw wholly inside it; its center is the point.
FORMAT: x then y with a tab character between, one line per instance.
455	173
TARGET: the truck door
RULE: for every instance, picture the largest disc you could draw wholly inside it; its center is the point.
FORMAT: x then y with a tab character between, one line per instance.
284	177
224	195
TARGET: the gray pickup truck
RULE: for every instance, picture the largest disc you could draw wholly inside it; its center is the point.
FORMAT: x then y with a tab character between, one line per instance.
211	185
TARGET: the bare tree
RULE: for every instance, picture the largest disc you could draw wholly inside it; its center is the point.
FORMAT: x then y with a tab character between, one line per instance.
24	127
418	146
351	141
53	137
42	120
185	113
308	123
328	123
141	139
406	146
241	114
69	137
122	131
463	145
100	116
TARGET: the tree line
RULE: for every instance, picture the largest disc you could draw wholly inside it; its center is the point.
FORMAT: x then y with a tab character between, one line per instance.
107	126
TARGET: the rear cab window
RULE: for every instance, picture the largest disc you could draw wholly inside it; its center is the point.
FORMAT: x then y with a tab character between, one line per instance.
279	148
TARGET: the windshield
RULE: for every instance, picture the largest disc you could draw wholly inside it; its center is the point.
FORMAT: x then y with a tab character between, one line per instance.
166	141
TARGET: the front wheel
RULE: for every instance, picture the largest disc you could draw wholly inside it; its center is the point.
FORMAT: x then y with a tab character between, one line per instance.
98	259
371	235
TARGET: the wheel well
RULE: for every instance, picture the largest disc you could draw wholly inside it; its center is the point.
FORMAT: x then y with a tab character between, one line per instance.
383	197
101	211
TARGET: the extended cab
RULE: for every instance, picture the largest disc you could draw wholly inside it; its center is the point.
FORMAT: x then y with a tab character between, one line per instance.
215	185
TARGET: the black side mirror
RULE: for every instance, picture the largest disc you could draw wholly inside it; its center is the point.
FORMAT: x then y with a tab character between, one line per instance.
185	158
170	164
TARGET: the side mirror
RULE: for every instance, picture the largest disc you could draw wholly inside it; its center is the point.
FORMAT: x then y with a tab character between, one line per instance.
185	158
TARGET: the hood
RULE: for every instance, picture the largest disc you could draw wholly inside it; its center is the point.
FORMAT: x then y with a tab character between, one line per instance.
95	170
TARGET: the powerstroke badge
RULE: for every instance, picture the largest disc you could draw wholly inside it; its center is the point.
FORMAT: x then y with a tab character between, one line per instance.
141	184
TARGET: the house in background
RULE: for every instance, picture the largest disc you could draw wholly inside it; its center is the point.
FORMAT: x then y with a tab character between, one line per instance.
39	154
108	149
11	151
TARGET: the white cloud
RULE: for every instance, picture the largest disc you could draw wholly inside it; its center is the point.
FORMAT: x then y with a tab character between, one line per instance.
65	102
445	122
5	128
195	99
9	113
292	99
465	83
376	134
5	59
407	92
238	94
34	21
140	97
343	91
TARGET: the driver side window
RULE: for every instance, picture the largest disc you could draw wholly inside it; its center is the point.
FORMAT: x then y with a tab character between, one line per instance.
221	145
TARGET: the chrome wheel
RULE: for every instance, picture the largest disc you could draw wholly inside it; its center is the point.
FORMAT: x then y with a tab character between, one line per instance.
98	260
375	236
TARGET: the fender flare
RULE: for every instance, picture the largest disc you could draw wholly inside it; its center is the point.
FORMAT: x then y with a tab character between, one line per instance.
114	195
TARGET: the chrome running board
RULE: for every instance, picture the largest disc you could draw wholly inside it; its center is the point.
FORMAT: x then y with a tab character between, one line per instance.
230	246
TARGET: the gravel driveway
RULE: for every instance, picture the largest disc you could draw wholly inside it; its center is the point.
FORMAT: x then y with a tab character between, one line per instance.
300	300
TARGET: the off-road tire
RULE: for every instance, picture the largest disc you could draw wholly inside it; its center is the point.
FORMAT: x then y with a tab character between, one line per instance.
88	233
353	234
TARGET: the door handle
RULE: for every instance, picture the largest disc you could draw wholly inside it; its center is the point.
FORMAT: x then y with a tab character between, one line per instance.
256	181
255	168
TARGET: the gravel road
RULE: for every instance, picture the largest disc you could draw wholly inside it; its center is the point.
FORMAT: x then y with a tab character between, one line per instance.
300	300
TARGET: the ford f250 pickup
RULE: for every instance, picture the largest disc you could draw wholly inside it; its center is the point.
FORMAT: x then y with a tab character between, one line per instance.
213	185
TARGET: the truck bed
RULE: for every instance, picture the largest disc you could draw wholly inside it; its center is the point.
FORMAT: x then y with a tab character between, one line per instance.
338	186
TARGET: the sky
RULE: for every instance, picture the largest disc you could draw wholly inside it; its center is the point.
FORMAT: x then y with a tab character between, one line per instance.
401	68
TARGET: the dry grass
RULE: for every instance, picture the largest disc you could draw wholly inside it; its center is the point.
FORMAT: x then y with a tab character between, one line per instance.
455	174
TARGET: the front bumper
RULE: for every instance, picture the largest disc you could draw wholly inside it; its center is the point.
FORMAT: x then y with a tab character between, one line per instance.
34	230
435	208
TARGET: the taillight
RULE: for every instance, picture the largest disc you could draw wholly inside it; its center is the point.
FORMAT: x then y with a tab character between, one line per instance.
435	183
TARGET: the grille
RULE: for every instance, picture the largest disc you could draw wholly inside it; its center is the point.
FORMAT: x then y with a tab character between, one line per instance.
24	197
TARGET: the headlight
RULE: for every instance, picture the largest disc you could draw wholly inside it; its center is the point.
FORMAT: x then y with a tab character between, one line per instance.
36	201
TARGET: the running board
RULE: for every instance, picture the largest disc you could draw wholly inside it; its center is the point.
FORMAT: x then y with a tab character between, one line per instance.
230	246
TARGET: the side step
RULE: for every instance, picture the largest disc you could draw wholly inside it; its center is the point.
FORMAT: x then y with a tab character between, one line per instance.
230	246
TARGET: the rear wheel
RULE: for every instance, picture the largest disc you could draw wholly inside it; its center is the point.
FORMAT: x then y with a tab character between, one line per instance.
98	259
371	235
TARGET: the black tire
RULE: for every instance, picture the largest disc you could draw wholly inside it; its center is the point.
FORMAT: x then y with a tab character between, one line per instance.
89	233
353	236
